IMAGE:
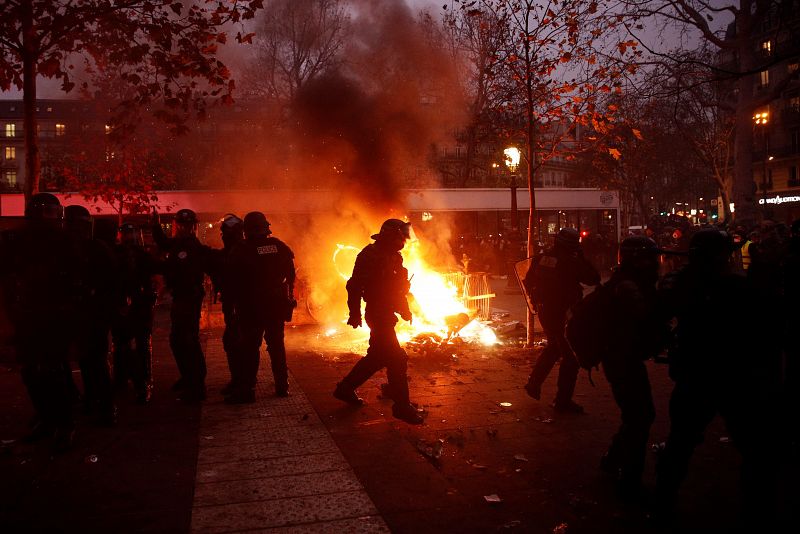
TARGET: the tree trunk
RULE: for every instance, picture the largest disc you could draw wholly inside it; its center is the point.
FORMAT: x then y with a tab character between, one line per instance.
29	57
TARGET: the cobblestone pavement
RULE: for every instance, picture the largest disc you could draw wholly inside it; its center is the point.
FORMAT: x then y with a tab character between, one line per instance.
272	466
308	463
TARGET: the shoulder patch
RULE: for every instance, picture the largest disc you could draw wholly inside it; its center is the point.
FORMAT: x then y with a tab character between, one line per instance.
267	249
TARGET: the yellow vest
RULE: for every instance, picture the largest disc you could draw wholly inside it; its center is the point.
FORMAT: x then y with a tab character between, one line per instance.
746	255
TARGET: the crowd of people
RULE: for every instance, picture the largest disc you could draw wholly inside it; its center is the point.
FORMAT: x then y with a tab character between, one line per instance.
71	282
700	315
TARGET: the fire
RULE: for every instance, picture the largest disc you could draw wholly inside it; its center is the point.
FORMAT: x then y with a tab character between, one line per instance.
436	303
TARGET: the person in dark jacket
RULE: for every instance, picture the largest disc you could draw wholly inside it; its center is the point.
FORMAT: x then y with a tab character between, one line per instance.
232	230
133	320
380	279
261	283
39	278
715	372
554	280
97	285
187	261
638	333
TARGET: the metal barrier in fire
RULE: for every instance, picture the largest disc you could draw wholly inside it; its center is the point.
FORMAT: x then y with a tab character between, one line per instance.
474	291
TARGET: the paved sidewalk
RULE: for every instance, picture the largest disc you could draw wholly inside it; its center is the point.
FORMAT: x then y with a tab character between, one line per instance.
272	465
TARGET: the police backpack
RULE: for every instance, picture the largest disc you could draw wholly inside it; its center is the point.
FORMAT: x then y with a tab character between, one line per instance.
589	328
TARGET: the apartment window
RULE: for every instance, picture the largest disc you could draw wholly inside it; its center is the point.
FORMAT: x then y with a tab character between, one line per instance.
12	108
793	67
793	175
49	109
763	78
11	152
794	103
794	136
10	177
11	130
60	129
766	47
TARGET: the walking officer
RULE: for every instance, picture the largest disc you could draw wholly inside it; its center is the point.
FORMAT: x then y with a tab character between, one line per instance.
637	333
232	229
133	321
380	279
39	285
261	279
554	280
96	276
716	371
187	261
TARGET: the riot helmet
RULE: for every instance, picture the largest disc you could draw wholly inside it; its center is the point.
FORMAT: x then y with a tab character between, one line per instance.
256	225
185	222
394	233
636	248
44	206
394	228
185	216
568	240
232	228
710	248
78	221
128	233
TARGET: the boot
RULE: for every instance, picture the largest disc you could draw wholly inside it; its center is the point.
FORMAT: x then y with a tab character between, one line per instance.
347	395
407	413
569	406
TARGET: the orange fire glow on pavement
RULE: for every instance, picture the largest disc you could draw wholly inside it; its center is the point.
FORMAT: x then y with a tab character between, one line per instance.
436	303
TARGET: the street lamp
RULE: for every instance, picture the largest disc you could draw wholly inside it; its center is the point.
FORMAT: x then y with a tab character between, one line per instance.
762	119
512	162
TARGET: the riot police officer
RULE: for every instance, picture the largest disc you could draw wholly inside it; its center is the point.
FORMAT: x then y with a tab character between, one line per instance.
187	261
554	280
232	230
133	321
637	334
96	271
39	278
262	279
715	371
380	279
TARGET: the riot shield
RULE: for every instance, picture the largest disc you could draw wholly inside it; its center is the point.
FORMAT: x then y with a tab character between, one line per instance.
520	270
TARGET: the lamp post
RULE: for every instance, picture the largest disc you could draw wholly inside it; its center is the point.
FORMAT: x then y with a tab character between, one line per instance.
512	162
761	120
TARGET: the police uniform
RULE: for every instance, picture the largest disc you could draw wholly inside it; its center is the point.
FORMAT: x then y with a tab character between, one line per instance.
184	268
638	332
232	234
261	280
39	282
380	279
96	266
133	322
714	371
554	280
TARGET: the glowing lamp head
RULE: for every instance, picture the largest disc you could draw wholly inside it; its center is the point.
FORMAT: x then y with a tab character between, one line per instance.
761	117
512	158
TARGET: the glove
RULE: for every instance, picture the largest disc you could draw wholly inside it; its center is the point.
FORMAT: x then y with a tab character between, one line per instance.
354	320
406	316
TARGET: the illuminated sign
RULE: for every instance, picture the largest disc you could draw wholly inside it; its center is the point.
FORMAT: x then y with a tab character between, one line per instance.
777	199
